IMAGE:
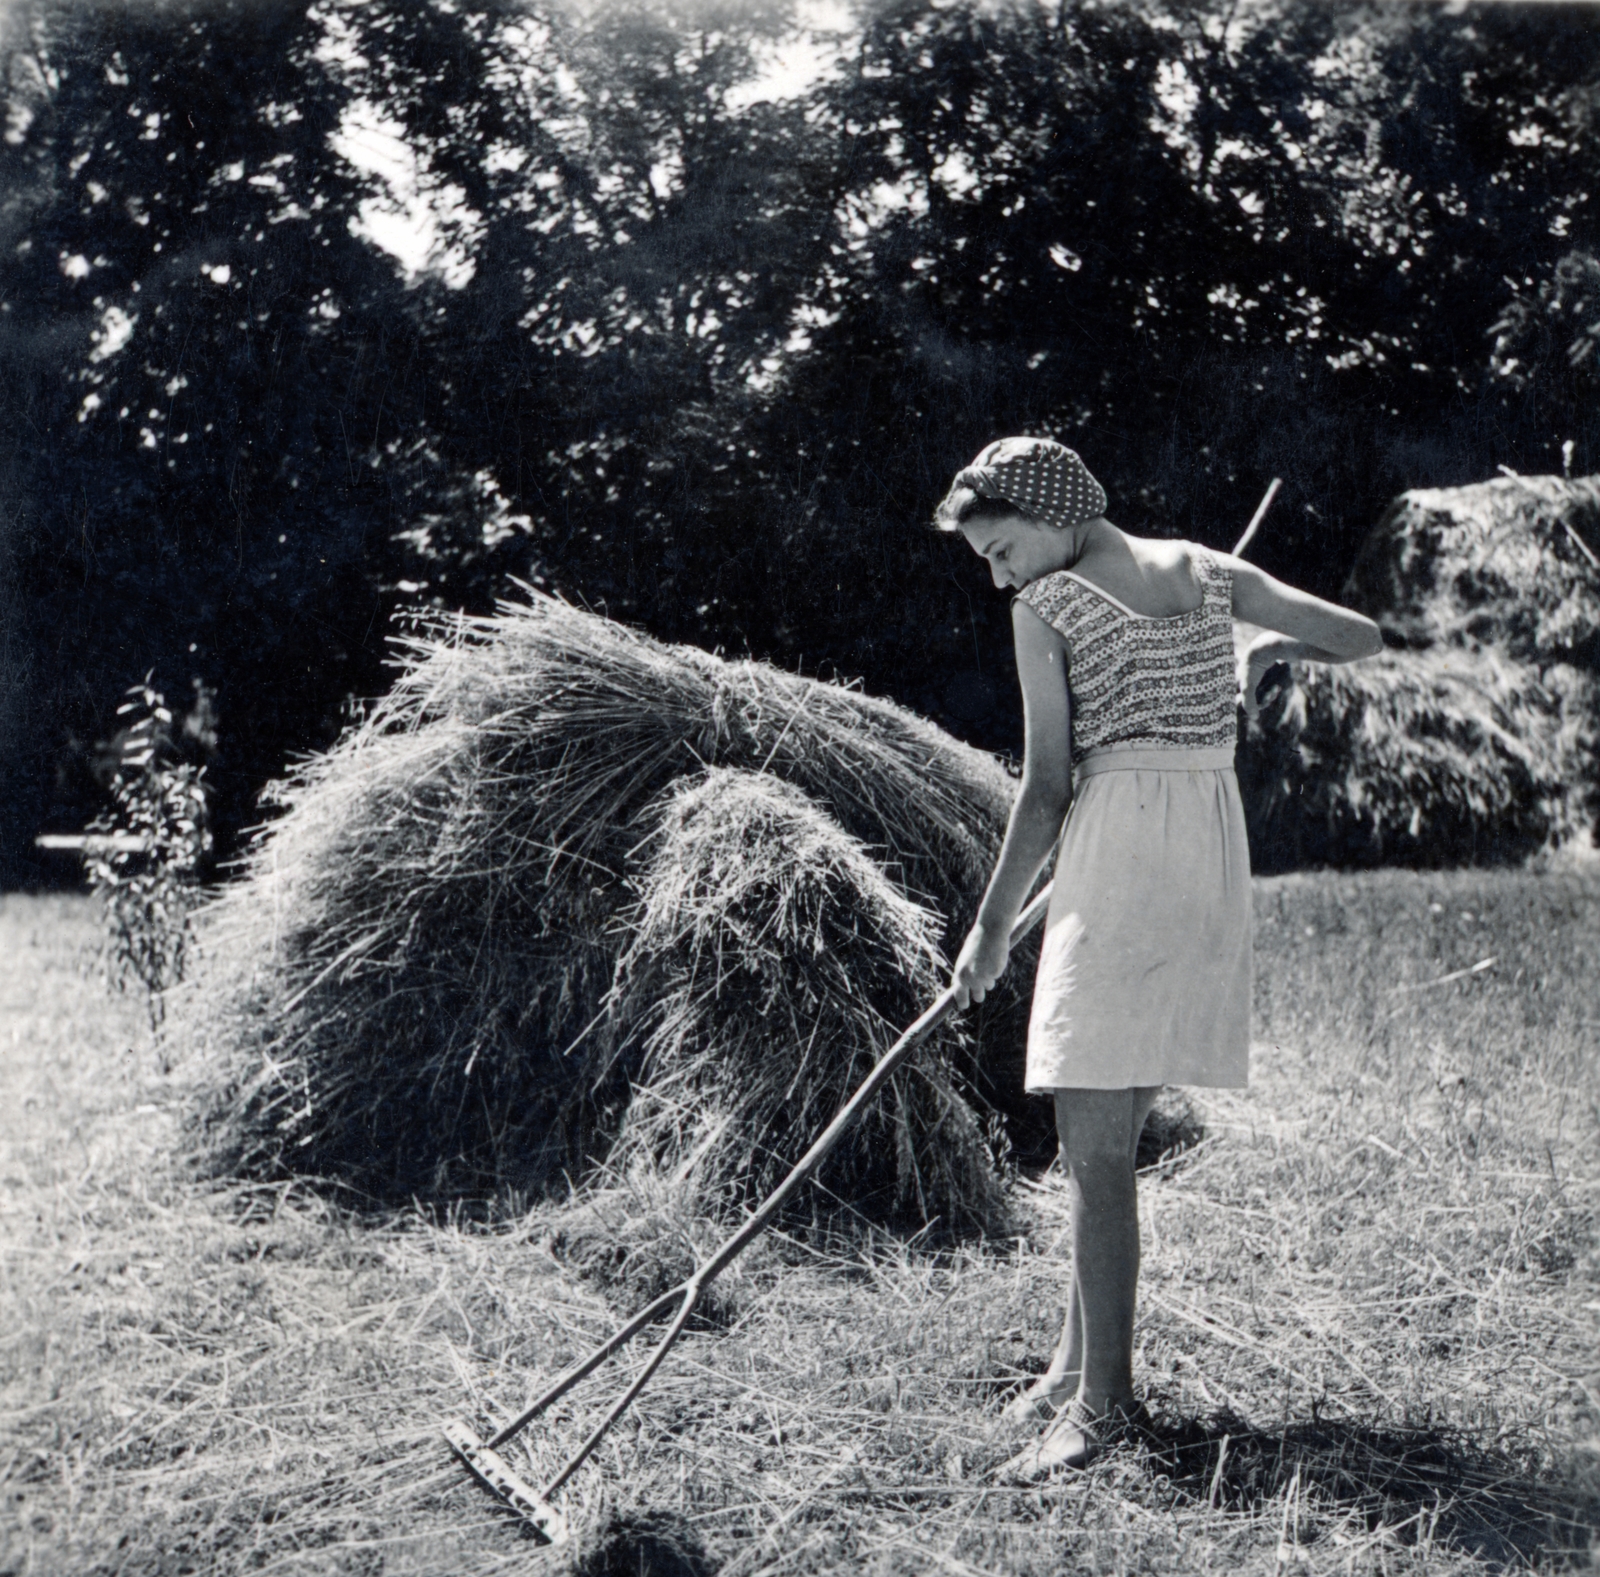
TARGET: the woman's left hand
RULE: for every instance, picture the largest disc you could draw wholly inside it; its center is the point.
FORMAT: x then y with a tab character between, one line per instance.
1258	660
981	962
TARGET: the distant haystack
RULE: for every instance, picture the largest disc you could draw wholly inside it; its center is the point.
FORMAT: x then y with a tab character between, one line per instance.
1476	737
409	989
769	965
1513	563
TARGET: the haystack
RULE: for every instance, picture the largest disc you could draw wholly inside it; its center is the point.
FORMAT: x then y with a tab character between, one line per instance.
1475	738
1512	564
768	966
408	989
1425	758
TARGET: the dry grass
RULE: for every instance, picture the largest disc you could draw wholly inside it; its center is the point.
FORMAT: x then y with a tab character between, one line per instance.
409	988
1369	1323
769	964
1508	563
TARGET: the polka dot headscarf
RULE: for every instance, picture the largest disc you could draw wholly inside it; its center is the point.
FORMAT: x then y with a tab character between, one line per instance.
1039	476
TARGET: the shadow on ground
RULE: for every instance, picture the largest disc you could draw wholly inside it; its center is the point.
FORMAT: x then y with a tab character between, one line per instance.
635	1543
1173	1126
1416	1485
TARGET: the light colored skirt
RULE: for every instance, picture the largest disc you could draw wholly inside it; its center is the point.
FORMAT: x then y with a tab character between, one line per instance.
1144	973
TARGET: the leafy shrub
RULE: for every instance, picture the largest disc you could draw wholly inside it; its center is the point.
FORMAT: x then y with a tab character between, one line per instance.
144	857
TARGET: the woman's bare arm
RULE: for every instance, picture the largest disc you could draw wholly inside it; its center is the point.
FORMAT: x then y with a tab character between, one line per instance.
1329	633
1040	805
1297	627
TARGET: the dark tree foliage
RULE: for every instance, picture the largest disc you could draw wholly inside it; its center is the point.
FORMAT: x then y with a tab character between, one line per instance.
705	359
198	363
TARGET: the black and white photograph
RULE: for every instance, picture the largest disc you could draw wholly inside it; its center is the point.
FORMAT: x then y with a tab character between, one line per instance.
799	787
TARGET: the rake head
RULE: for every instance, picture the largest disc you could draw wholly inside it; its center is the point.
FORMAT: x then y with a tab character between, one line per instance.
496	1475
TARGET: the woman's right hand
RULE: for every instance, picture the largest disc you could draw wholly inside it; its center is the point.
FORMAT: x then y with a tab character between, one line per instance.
981	962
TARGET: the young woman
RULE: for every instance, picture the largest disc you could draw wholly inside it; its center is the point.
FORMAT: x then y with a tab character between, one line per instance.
1125	653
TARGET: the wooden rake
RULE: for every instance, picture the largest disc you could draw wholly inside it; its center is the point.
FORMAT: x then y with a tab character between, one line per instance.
482	1458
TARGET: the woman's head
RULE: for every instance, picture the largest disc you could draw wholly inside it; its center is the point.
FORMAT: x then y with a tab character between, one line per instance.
1020	505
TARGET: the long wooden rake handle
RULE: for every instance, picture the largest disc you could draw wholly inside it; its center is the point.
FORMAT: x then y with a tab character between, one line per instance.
1257	517
688	1295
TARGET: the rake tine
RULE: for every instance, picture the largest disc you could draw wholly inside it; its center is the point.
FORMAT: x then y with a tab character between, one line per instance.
493	1472
496	1475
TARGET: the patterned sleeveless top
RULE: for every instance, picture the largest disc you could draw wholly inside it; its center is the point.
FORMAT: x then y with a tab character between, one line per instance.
1145	682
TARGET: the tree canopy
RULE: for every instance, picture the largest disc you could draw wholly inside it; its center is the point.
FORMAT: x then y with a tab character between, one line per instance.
311	311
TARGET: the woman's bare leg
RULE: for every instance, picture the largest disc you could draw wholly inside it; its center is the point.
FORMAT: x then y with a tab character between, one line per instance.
1060	1382
1099	1136
1099	1132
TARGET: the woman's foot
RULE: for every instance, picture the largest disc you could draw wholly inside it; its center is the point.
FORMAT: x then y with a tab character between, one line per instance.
1042	1400
1076	1437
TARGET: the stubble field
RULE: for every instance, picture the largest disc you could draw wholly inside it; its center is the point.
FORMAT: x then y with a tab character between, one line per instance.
1370	1323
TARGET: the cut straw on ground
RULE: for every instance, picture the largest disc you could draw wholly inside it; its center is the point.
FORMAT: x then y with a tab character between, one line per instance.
1374	1274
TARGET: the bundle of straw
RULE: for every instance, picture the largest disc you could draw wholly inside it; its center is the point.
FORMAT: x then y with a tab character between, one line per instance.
769	965
406	989
1441	757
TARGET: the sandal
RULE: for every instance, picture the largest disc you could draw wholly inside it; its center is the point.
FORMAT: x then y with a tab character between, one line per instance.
1076	1438
1031	1405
